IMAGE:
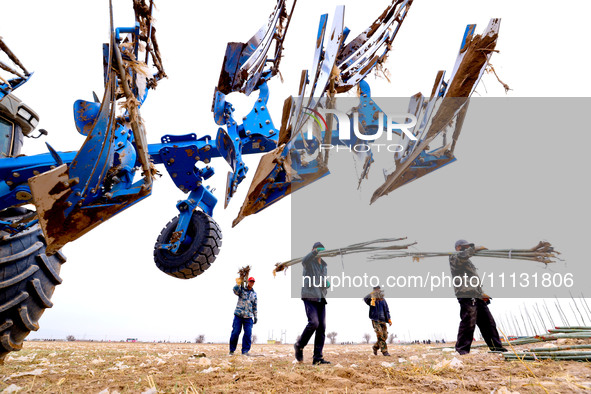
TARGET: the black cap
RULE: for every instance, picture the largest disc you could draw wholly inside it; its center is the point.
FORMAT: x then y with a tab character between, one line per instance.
377	288
317	245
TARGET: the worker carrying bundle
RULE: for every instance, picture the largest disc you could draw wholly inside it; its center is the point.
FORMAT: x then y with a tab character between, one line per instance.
379	313
473	301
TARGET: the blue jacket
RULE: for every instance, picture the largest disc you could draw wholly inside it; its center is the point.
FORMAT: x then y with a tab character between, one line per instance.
379	312
314	278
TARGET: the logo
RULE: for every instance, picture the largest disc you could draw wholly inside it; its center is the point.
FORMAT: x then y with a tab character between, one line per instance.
348	128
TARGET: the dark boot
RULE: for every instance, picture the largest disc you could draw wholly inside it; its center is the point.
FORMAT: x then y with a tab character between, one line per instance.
299	353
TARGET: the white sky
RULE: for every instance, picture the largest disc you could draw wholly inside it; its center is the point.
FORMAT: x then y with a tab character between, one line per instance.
112	288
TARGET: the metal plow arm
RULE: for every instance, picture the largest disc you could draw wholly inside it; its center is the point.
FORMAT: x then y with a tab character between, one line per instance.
245	69
18	74
444	113
370	49
336	67
244	63
98	183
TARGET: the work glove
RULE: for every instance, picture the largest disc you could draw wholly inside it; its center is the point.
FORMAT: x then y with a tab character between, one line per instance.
373	302
389	322
239	281
486	298
255	320
479	248
327	284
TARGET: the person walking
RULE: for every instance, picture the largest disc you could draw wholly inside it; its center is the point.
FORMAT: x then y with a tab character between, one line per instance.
245	315
379	313
314	289
473	301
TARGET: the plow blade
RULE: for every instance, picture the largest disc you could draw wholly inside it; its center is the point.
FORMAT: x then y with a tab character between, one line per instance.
336	67
51	191
244	63
277	176
449	115
370	48
97	184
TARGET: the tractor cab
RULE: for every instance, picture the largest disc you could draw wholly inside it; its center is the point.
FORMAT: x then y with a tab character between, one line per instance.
17	120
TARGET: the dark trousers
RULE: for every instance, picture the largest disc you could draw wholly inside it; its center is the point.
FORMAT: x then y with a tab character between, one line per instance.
474	312
237	325
316	312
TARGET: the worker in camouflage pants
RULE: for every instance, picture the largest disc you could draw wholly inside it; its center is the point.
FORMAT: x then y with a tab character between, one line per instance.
379	313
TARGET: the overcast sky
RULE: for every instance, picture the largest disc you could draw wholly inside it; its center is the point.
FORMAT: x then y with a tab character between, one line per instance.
112	288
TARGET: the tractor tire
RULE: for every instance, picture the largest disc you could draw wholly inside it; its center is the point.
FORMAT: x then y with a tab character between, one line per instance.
28	279
196	255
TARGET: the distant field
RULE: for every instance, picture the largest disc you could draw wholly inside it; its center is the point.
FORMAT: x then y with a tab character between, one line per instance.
95	367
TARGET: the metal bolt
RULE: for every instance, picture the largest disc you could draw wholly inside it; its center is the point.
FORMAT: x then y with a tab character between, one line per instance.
35	172
69	203
65	183
206	161
77	194
9	183
79	203
123	132
263	108
119	144
174	175
260	100
244	118
272	132
237	139
16	174
52	167
267	121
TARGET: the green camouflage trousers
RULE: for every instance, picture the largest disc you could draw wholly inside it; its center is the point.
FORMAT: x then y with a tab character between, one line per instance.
381	330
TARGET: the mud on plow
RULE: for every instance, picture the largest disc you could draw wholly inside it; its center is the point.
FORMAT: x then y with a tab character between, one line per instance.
51	199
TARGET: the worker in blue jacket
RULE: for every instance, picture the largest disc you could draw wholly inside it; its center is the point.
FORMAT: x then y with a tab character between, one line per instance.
379	313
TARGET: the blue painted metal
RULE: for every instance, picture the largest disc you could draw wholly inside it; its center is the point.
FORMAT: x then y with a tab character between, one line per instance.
100	175
12	84
202	198
468	33
85	114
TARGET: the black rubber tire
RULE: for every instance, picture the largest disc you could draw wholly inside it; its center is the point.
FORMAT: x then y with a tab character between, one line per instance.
195	257
28	279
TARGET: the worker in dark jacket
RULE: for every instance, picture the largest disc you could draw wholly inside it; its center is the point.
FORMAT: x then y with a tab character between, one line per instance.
473	301
314	289
379	313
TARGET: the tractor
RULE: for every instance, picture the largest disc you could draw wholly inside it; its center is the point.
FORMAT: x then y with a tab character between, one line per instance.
51	199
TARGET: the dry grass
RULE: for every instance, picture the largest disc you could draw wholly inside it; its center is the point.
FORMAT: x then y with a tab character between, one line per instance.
93	367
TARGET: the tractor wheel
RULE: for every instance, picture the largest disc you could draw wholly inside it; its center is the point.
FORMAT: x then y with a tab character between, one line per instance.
196	254
28	279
